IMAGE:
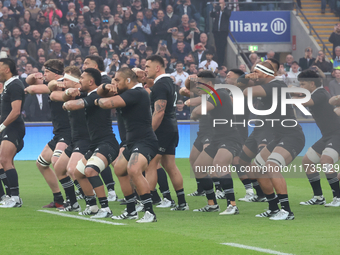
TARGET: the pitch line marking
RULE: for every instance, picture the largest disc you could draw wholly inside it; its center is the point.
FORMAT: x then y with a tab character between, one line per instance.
256	249
81	218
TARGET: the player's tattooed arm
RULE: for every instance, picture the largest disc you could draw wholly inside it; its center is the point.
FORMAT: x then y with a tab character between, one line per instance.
110	102
74	105
158	113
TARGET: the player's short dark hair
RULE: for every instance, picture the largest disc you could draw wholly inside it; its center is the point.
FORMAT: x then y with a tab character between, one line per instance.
95	74
156	58
239	72
310	75
75	71
275	62
99	60
55	66
11	64
128	73
206	74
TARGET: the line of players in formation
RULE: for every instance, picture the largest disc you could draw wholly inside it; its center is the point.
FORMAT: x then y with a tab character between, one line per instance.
84	145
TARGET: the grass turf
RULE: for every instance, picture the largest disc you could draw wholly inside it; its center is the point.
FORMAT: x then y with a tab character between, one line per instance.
27	231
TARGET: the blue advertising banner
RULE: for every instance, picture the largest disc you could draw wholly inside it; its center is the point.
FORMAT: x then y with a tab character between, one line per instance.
260	27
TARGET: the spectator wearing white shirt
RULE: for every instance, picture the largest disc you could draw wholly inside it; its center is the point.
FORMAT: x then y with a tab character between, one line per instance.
209	63
292	75
180	75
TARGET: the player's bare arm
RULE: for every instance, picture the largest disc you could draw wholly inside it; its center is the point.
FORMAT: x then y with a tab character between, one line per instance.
258	91
196	113
110	102
37	89
158	114
14	114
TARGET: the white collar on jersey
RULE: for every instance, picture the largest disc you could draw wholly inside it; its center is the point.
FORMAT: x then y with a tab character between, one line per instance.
103	73
321	87
10	80
138	85
276	78
161	76
92	91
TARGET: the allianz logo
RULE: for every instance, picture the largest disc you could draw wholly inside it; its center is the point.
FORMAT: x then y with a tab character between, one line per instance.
278	26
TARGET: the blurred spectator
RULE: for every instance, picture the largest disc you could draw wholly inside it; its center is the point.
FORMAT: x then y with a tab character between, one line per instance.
114	65
193	35
42	24
270	54
184	26
204	41
149	18
36	108
308	60
159	29
136	6
57	53
321	62
26	33
33	9
180	75
170	18
51	12
15	9
181	112
289	61
334	38
243	67
35	44
60	38
192	69
28	19
69	45
86	47
107	15
180	38
91	14
117	27
71	19
292	75
9	21
209	63
199	53
139	29
16	42
221	15
336	60
253	59
334	85
180	52
185	7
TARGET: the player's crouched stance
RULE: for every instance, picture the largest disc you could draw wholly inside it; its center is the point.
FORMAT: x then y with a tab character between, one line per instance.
141	140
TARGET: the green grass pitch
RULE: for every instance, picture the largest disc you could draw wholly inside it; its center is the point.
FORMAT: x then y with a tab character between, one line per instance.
27	231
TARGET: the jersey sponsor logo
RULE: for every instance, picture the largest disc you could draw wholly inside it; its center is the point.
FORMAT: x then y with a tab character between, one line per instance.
161	149
76	149
62	139
6	136
206	140
264	140
136	149
223	145
330	144
281	143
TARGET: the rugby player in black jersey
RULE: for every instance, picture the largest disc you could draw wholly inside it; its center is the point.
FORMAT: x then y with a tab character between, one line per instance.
104	147
54	69
141	141
96	62
204	133
224	147
325	152
66	164
163	104
12	127
281	151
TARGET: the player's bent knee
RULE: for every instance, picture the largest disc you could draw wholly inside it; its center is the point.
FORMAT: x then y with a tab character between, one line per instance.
312	155
277	158
133	171
331	153
96	163
259	161
42	162
81	167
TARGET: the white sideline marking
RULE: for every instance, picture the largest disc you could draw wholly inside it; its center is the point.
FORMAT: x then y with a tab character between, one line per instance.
256	249
81	218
